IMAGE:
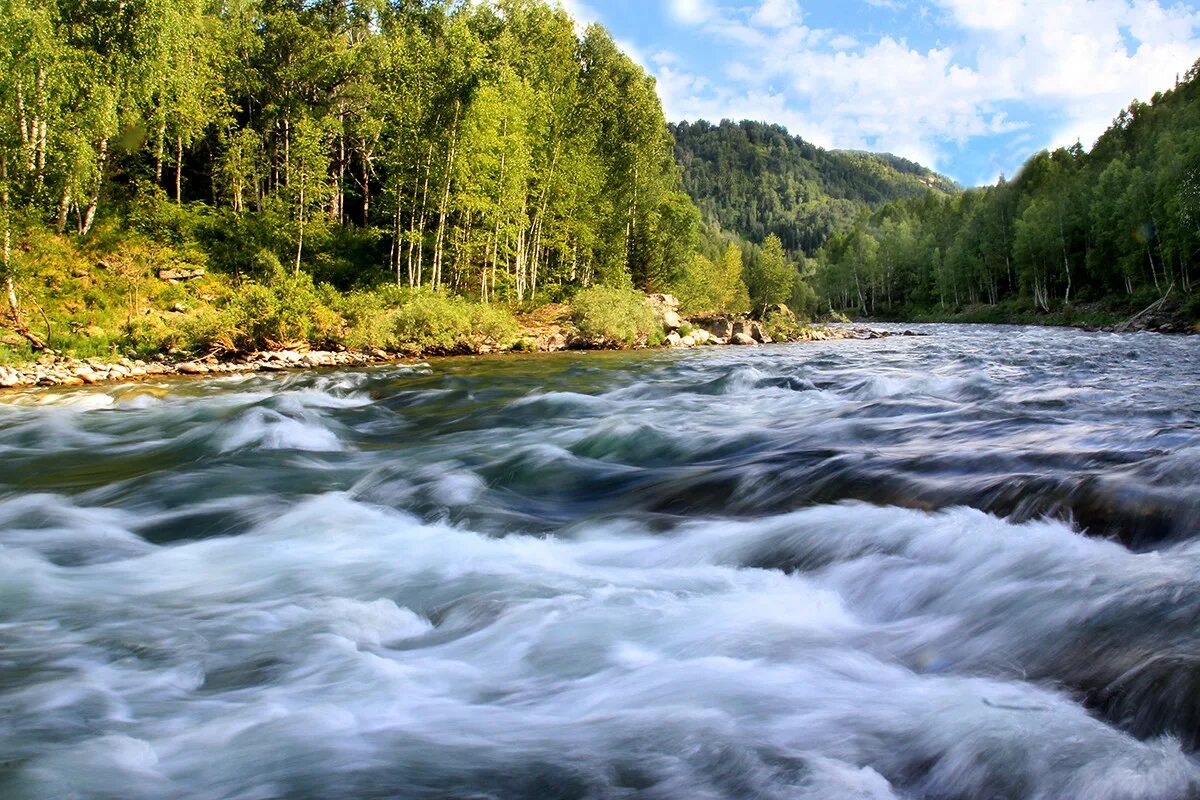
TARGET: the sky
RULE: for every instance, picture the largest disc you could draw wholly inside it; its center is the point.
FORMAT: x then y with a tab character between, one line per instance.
970	88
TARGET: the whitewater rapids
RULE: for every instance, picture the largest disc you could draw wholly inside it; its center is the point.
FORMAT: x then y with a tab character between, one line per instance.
961	566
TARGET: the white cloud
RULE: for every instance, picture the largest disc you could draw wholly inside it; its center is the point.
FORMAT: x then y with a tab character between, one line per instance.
777	14
1081	59
691	12
1007	64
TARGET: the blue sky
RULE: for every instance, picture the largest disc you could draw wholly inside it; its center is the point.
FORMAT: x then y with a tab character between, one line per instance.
968	87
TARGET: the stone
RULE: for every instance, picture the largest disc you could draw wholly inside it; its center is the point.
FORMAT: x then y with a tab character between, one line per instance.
87	375
720	327
671	320
741	326
663	301
191	368
701	336
742	339
688	341
674	339
178	308
177	275
756	332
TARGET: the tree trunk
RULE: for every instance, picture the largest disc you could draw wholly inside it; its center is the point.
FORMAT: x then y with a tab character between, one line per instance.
444	207
89	217
159	152
178	170
300	237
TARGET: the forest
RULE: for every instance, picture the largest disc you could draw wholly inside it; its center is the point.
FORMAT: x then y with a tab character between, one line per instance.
489	151
1111	228
757	179
328	167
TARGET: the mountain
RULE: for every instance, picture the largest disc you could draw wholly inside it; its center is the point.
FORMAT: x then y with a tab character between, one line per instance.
757	179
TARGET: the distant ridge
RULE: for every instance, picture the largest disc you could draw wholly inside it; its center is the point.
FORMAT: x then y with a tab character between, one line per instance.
755	179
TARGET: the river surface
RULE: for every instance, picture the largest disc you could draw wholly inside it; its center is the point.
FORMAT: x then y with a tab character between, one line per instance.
965	565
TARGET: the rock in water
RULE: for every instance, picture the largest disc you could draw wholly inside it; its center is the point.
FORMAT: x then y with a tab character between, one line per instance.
742	339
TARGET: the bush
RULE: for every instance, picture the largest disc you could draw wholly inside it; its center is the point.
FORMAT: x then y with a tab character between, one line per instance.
280	314
369	321
613	316
493	326
781	327
433	323
1191	307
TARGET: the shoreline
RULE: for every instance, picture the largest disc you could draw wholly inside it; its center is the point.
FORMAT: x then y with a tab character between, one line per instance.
64	372
58	371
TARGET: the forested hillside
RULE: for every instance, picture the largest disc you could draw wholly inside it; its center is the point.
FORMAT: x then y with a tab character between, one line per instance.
1119	224
756	179
479	149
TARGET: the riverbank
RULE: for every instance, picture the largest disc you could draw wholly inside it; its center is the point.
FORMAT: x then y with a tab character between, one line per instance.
66	371
1169	314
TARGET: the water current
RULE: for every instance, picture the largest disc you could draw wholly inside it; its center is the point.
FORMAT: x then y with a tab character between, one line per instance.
964	565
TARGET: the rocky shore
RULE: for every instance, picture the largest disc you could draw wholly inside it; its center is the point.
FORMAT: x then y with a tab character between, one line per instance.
60	370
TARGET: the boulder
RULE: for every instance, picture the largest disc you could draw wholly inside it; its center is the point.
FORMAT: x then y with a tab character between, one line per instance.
781	309
757	333
671	320
688	341
701	336
720	327
662	302
741	326
191	368
177	275
674	339
742	339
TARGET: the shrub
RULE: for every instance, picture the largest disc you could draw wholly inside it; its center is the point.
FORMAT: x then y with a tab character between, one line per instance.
369	322
781	327
1191	307
614	316
432	323
493	325
279	314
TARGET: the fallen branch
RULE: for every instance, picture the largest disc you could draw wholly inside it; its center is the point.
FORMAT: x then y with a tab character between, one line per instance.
17	324
1155	306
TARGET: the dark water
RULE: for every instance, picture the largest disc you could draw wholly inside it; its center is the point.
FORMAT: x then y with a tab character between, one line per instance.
961	566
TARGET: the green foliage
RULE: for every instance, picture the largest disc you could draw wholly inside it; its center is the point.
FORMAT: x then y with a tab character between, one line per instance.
770	276
617	316
438	324
485	150
758	180
1120	223
782	327
432	323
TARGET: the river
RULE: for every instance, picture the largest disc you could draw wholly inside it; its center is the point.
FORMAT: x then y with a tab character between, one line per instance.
965	565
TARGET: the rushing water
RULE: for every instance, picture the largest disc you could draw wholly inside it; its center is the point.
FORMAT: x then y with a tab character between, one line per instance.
959	566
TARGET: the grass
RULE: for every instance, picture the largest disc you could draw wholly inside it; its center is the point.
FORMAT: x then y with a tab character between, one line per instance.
103	298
